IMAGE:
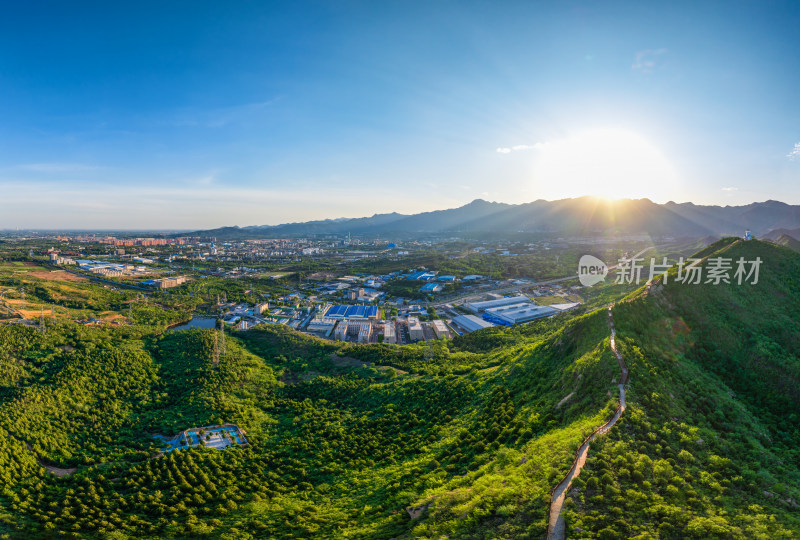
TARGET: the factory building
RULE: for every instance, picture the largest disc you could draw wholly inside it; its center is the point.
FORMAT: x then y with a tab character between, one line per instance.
360	331
389	332
167	283
480	307
341	311
565	307
431	288
471	323
440	329
415	332
422	276
336	312
364	331
322	326
517	314
341	331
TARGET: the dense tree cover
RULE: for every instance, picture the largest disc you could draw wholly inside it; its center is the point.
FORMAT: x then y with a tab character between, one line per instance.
243	289
339	447
467	436
709	445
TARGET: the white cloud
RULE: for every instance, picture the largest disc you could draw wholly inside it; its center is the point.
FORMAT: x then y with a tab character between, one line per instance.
730	189
795	153
204	179
520	147
537	146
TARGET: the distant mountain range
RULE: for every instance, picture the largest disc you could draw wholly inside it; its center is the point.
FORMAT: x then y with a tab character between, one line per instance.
579	216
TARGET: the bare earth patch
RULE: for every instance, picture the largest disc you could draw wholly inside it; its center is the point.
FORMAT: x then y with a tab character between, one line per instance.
57	471
560	403
57	275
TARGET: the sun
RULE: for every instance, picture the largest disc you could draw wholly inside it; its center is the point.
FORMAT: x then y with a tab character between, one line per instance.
608	162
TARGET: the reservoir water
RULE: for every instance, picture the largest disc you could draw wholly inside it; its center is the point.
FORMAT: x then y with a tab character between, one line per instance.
198	321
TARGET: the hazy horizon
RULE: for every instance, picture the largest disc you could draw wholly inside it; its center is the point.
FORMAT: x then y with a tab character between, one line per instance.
338	218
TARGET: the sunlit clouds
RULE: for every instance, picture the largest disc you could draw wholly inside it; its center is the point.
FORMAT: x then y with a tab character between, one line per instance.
795	153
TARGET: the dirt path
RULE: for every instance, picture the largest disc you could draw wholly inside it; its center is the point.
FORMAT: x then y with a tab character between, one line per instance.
556	529
57	471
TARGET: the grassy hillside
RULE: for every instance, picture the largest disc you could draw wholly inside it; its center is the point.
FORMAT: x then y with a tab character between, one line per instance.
709	445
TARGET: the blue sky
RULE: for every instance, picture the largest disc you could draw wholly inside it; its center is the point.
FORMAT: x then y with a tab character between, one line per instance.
193	114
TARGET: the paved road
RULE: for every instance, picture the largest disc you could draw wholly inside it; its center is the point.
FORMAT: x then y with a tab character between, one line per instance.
556	529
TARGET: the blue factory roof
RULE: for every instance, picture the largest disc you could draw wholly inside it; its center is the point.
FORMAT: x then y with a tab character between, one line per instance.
355	312
336	311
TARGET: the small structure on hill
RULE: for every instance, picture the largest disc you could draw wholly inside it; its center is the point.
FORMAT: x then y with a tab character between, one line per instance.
219	437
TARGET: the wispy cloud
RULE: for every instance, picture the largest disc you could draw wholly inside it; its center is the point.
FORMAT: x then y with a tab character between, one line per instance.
648	60
203	179
520	147
730	189
795	153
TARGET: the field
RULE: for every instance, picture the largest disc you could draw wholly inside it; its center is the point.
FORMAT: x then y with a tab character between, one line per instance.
57	275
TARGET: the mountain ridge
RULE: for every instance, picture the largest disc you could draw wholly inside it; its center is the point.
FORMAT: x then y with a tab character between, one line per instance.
574	216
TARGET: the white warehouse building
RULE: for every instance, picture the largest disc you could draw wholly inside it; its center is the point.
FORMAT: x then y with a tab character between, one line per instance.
480	307
471	323
519	313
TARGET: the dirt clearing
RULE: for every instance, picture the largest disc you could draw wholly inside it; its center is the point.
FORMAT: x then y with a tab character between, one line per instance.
57	275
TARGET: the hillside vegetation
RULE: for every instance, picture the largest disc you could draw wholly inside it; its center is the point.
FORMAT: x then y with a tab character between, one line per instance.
708	447
461	439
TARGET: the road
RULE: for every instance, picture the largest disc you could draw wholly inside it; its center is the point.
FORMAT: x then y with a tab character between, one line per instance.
556	529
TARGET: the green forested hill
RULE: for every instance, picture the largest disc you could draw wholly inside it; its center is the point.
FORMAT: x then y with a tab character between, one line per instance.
336	450
464	439
708	447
